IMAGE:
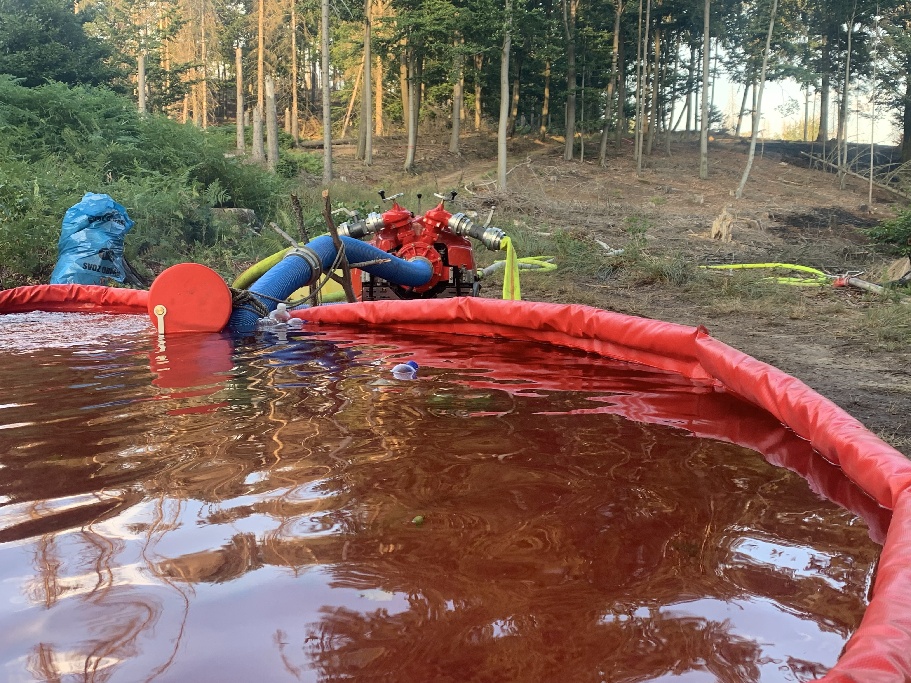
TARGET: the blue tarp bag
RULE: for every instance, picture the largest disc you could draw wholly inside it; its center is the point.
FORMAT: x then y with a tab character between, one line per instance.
90	248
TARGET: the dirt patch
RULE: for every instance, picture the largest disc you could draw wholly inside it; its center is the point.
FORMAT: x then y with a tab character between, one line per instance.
789	214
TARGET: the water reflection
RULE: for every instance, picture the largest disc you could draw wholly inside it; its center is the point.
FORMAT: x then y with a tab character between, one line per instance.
200	512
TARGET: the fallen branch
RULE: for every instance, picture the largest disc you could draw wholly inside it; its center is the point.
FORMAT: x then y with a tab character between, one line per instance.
885	188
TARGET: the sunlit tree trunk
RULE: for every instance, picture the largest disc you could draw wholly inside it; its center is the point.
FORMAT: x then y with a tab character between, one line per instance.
656	84
327	102
843	114
478	65
271	125
504	98
823	133
259	152
295	114
141	81
204	86
365	130
412	112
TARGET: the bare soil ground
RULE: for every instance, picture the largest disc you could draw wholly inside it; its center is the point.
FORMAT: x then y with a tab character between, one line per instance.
830	338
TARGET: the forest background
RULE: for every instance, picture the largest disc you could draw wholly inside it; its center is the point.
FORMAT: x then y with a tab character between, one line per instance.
181	109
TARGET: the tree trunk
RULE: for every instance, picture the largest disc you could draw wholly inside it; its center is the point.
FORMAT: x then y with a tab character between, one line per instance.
141	82
295	119
403	85
690	89
259	153
271	125
261	58
843	115
457	99
378	106
365	132
478	65
704	123
609	102
504	98
743	106
906	116
758	108
354	93
569	27
656	84
823	134
514	101
412	113
327	102
621	98
204	86
239	117
641	90
545	104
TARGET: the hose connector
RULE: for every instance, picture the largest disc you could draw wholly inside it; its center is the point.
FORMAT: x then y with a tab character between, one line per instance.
356	229
311	258
490	237
374	222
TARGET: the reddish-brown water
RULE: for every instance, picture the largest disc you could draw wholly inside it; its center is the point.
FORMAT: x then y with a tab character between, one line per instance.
296	513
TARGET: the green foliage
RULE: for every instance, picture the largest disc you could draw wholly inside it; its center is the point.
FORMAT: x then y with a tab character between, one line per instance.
58	142
894	233
44	40
292	163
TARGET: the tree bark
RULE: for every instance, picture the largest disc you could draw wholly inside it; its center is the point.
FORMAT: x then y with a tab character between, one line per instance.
545	103
906	116
478	65
570	8
621	98
843	114
504	98
261	58
259	153
327	103
656	84
412	113
239	73
378	105
823	134
641	90
758	108
743	106
365	132
514	101
456	99
609	103
704	123
295	118
141	81
271	125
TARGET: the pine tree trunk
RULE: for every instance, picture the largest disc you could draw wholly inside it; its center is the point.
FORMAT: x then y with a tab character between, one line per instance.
823	134
239	74
271	125
621	98
545	104
704	116
412	112
261	58
906	116
365	130
403	84
656	84
641	89
569	26
504	99
204	86
609	103
259	152
756	112
478	65
456	99
690	89
843	114
514	101
141	81
327	102
295	117
743	106
378	106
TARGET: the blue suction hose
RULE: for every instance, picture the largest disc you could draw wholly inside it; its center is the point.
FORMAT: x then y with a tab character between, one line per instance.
303	266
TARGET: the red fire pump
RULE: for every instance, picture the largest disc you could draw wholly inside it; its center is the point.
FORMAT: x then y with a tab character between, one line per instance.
438	237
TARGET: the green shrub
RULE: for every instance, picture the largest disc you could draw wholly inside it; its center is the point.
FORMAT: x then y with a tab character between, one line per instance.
894	233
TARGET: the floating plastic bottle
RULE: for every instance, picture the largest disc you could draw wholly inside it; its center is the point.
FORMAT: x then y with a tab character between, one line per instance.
281	314
407	370
280	320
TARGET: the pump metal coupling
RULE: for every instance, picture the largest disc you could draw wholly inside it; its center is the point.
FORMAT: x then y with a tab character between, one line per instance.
311	258
490	237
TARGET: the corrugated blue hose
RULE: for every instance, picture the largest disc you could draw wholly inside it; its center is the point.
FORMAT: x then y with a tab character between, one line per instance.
293	272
